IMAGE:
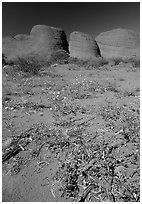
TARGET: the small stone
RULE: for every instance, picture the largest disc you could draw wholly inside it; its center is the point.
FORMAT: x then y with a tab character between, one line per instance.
41	114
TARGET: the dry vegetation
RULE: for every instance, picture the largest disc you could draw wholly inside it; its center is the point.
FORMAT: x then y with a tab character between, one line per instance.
96	166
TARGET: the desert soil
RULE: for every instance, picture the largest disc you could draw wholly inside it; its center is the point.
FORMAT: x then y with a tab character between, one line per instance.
69	117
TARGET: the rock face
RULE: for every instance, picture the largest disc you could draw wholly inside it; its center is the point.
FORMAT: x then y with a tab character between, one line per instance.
9	45
83	46
42	41
119	43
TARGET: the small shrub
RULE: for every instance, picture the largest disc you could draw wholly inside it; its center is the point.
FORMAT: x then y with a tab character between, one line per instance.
60	57
135	61
99	62
29	64
72	60
117	60
76	61
88	63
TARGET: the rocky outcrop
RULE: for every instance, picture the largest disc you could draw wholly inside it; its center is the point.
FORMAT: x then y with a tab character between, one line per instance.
119	43
83	46
42	41
49	39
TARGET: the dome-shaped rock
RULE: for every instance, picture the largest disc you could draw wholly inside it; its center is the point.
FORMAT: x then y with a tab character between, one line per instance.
118	43
83	46
49	39
42	41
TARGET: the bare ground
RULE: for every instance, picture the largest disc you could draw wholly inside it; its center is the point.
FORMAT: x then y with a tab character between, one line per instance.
75	134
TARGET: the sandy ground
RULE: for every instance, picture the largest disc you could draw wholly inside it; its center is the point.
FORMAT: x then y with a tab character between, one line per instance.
30	101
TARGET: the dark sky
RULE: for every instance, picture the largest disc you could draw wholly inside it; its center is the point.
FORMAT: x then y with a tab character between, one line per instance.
91	18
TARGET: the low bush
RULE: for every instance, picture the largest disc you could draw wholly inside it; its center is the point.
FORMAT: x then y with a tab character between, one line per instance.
116	60
29	64
133	60
88	63
100	62
74	60
60	57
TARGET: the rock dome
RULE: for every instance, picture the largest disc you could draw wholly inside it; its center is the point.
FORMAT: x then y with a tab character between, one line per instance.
42	41
82	45
119	43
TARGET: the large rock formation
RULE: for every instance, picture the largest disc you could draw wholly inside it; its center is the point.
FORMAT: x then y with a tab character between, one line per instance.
83	46
119	43
9	45
42	41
